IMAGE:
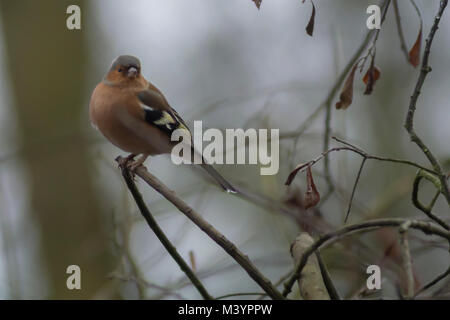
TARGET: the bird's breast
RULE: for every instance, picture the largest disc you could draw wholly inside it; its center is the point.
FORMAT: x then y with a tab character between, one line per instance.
111	113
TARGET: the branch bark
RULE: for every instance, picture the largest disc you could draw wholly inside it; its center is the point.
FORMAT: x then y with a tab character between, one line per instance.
426	209
409	122
310	280
400	31
212	232
329	238
158	232
406	259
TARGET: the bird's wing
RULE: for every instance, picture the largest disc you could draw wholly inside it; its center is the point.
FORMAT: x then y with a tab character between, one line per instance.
159	114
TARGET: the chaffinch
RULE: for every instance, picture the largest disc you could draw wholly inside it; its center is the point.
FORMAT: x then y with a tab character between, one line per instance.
136	117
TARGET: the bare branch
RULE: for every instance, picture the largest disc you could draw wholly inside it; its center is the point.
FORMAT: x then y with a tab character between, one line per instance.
426	209
409	122
158	232
433	282
400	30
367	226
354	188
333	91
212	232
310	281
237	294
406	259
350	147
332	291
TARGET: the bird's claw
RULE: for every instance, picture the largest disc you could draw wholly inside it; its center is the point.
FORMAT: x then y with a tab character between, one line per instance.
133	165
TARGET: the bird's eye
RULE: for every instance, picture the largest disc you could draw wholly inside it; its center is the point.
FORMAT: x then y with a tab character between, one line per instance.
120	70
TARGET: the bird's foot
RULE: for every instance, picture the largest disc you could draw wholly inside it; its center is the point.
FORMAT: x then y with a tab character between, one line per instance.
132	166
124	162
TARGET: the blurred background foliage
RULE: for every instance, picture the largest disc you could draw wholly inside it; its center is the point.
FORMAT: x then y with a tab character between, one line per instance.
63	201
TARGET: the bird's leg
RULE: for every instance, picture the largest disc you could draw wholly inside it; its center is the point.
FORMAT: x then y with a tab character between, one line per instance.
136	164
131	156
128	160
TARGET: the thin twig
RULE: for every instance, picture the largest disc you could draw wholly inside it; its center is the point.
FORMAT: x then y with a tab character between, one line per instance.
406	259
369	156
125	253
212	232
433	200
331	237
331	288
241	294
409	122
145	283
433	282
354	188
278	282
158	232
400	31
423	208
333	91
372	49
350	147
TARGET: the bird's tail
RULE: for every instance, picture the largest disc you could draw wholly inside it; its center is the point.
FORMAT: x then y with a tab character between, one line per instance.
221	180
212	172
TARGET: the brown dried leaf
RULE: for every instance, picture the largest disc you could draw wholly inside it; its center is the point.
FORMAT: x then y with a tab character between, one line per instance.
312	196
346	97
310	26
257	3
294	173
414	53
371	76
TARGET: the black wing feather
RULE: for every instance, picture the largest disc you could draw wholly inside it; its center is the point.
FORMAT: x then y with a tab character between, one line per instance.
167	120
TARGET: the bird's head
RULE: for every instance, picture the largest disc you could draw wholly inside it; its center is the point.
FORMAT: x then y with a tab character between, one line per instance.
125	70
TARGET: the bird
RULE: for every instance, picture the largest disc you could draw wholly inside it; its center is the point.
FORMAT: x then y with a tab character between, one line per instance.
135	116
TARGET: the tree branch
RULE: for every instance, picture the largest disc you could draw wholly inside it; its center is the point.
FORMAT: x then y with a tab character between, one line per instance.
332	291
212	232
406	259
427	210
331	237
310	281
400	30
409	122
354	188
333	91
433	282
157	230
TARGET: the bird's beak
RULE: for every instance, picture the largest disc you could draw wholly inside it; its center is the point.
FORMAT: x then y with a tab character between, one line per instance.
132	72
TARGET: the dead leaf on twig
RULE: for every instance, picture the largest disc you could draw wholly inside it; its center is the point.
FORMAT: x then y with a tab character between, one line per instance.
257	3
346	97
312	196
371	76
294	173
414	53
310	26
